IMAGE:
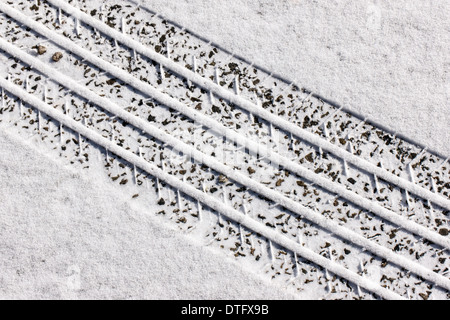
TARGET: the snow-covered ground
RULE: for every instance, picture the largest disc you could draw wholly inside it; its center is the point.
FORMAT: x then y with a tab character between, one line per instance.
67	235
388	61
64	236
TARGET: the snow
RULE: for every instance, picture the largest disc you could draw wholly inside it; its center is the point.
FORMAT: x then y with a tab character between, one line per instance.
387	62
218	205
275	158
53	238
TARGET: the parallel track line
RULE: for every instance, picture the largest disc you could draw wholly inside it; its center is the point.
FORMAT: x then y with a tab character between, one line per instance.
253	146
227	171
200	196
251	107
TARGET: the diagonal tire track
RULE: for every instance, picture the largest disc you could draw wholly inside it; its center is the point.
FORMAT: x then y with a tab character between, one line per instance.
200	196
251	107
71	57
211	162
254	147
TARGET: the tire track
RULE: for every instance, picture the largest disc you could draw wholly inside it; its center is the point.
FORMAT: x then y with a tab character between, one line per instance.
40	127
227	171
378	198
253	146
353	181
196	194
250	107
80	119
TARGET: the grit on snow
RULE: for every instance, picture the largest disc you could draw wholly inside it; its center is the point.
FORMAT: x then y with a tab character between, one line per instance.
386	61
85	229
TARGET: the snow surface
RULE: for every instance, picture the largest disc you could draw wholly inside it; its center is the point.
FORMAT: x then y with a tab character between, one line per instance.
59	229
64	236
388	61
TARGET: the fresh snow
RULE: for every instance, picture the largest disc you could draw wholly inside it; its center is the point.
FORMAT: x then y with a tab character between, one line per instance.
57	244
416	211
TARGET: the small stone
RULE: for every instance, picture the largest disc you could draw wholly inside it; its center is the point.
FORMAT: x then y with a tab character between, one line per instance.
213	189
151	118
251	170
424	296
223	179
41	49
443	232
309	157
301	184
57	56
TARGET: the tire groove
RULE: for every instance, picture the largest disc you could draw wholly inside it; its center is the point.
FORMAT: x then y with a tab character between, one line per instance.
249	106
200	196
243	141
211	162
